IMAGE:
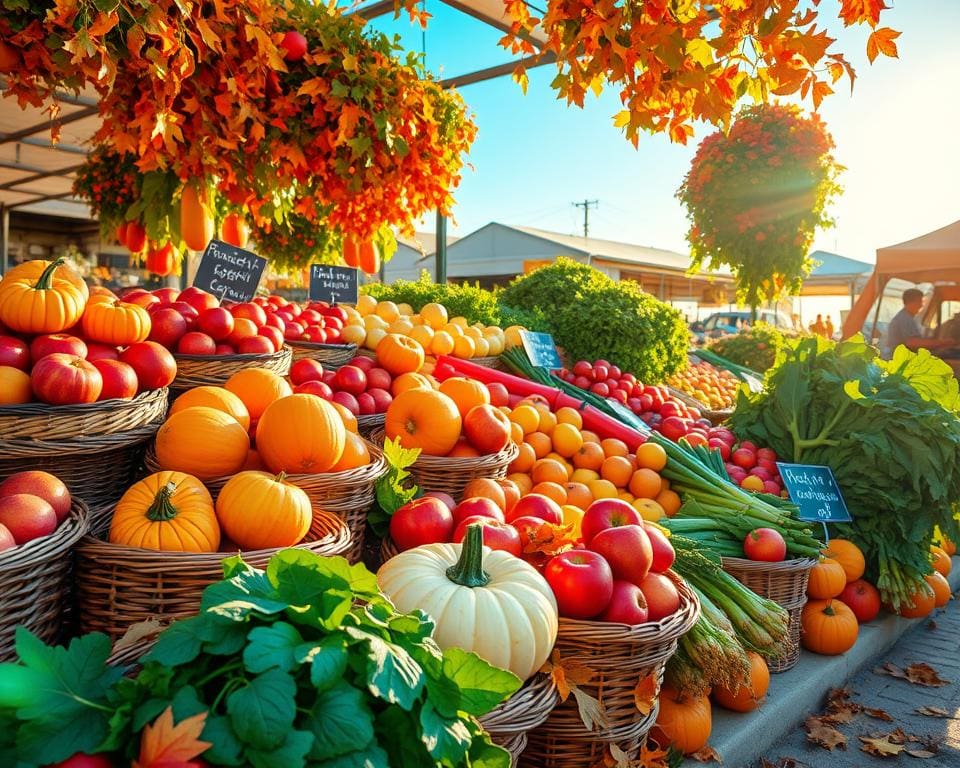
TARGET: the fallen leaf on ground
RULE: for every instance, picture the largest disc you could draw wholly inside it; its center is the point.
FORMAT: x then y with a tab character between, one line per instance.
924	674
880	747
921	753
706	755
651	756
824	735
932	712
645	694
839	707
931	625
877	714
783	762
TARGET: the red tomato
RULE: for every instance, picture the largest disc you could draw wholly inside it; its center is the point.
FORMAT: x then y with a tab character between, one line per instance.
250	311
216	322
765	544
154	365
496	535
306	369
862	598
426	520
581	581
61	379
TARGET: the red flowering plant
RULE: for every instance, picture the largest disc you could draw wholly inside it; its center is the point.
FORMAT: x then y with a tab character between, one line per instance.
110	183
755	197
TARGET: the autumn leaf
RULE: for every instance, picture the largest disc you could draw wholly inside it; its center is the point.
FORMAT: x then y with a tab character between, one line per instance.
655	757
706	755
918	674
645	694
881	41
880	747
932	712
165	745
877	714
923	754
568	675
824	735
137	633
551	539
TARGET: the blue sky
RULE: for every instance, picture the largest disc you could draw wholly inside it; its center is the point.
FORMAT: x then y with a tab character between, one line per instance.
898	134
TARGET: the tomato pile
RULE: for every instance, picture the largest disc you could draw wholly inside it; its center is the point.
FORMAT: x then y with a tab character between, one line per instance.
32	505
361	386
750	467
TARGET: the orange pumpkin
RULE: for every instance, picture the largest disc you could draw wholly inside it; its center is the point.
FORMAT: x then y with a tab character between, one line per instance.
234	230
48	303
259	511
202	441
15	388
683	722
918	604
66	271
313	446
196	219
406	381
940	561
466	393
257	388
349	419
253	461
115	322
827	579
941	588
213	397
369	257
749	696
355	454
424	419
947	545
399	354
848	555
828	627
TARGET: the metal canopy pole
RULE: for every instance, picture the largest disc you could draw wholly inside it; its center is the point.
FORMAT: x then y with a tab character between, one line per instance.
4	237
441	248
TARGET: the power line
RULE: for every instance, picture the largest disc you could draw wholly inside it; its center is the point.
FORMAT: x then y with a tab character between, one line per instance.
586	205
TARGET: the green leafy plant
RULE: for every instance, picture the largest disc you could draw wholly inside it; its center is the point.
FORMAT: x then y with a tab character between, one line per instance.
305	663
393	489
592	316
756	347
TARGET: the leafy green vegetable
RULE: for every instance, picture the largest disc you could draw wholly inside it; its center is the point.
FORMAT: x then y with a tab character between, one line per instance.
393	489
890	432
326	673
756	347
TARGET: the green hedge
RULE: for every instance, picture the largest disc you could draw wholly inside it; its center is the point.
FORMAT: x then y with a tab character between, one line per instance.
593	316
756	347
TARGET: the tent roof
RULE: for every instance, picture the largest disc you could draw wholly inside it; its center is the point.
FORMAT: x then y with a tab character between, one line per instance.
834	265
933	257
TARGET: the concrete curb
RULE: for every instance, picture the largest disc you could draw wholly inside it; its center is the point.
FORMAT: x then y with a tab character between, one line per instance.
742	739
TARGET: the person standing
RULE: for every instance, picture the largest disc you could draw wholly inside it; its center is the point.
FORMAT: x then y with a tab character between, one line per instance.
905	329
828	328
816	327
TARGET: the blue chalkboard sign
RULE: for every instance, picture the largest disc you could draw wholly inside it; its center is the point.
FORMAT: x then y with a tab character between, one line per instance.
332	284
228	272
814	489
541	350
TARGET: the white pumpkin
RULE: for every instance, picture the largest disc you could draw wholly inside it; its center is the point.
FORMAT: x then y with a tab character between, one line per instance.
493	603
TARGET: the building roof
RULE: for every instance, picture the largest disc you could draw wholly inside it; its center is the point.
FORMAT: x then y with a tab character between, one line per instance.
833	265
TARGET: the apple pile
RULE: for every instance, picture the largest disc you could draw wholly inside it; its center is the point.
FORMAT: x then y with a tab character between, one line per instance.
752	468
360	386
32	505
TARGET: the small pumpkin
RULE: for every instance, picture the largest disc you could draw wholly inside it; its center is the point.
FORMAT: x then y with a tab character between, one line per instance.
261	511
196	219
169	512
399	354
749	696
300	434
257	388
945	543
684	722
66	271
918	604
203	441
424	419
115	322
940	561
828	627
49	303
482	600
848	555
827	579
941	588
220	398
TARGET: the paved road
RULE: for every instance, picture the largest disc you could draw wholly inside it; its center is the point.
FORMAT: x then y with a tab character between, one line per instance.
937	644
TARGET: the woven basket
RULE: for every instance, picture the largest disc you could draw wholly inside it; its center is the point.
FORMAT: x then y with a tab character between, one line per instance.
368	424
348	494
388	549
786	584
118	586
35	582
450	474
528	708
214	370
717	416
620	655
490	361
331	356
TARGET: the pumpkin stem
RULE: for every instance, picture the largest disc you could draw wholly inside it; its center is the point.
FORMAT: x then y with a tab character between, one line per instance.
828	610
468	571
46	277
281	477
162	508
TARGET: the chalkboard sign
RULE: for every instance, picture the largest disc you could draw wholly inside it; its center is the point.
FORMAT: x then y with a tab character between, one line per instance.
814	489
334	285
228	272
541	350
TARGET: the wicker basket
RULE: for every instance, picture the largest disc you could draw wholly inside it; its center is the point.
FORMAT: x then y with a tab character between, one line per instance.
35	582
786	584
118	586
528	708
450	474
717	416
620	655
331	356
348	494
489	361
368	424
214	370
388	549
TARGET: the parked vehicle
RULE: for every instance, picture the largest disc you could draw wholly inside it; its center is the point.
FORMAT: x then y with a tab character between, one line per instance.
721	323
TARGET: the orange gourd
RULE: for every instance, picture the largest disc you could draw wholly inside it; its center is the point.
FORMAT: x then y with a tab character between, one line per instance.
947	545
115	322
466	393
399	354
48	303
849	556
196	219
828	627
919	604
234	230
257	388
684	722
424	419
162	260
827	579
941	588
349	419
940	561
355	454
219	398
406	381
202	441
169	512
259	511
300	434
66	271
749	696
351	251
369	257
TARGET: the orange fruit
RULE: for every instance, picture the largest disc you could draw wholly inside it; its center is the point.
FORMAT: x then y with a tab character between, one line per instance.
406	381
434	315
516	431
585	476
511	492
567	440
549	471
464	347
590	437
578	494
651	456
541	443
554	491
617	470
453	329
589	456
645	484
602	489
567	415
527	417
625	496
355	454
670	502
561	461
441	343
466	393
463	449
15	387
613	447
522	481
486	488
349	420
547	420
525	460
649	509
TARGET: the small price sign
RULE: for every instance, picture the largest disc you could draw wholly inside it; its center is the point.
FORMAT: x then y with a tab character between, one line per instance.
541	350
228	272
334	285
814	489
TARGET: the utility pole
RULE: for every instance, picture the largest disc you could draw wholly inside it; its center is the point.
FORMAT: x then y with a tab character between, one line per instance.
586	205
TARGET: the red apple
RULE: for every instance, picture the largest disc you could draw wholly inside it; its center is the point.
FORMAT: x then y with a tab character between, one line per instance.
14	352
198	298
167	327
27	517
293	331
477	506
350	379
97	351
166	295
536	505
378	378
250	311
581	581
6	538
498	394
661	595
306	369
338	312
142	298
363	363
422	521
317	388
487	428
216	322
35	482
243	328
196	343
366	403
446	498
348	401
61	379
627	605
225	349
381	399
255	345
627	549
663	553
57	343
273	335
607	513
154	365
496	534
860	596
119	380
275	321
188	311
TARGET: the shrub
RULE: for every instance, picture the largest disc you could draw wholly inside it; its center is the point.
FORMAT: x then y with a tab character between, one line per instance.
756	347
592	316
